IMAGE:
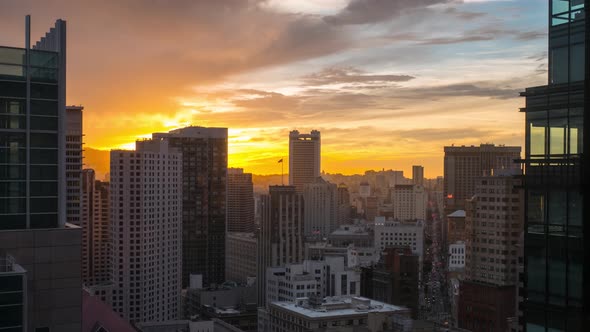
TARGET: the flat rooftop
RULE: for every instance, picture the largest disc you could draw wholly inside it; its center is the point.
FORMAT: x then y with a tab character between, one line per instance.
340	306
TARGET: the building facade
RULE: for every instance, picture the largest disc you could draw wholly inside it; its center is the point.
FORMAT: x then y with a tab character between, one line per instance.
96	229
146	211
409	202
343	204
40	276
74	163
240	201
304	158
390	233
556	290
280	238
418	175
321	213
240	258
204	185
464	164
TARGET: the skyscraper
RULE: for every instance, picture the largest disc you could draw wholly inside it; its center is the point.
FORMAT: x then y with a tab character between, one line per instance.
204	172
343	203
556	290
280	239
320	216
418	175
240	201
304	158
96	229
146	207
40	277
464	164
74	163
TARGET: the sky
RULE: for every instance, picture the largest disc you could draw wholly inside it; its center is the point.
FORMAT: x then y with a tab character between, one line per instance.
388	83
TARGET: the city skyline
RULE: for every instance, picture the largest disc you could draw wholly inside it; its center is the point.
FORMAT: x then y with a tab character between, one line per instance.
343	75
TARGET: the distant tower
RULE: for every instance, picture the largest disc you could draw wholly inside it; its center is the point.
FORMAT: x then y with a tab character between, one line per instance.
321	212
240	201
418	175
73	163
304	158
280	239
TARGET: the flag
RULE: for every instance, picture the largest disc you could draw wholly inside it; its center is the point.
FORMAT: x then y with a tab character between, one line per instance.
280	161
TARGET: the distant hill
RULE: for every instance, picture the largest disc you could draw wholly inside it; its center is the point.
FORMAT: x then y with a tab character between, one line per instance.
98	160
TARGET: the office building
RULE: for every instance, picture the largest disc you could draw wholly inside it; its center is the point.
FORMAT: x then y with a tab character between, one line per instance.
346	314
304	158
40	276
409	202
320	214
204	171
556	288
240	258
418	175
326	277
96	229
485	307
456	227
494	223
146	211
74	163
343	205
457	256
240	201
394	279
394	233
280	239
464	164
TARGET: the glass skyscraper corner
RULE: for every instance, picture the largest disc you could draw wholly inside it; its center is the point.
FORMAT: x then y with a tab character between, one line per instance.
32	104
555	288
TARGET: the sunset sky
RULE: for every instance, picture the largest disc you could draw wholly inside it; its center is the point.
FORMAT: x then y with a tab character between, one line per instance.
387	82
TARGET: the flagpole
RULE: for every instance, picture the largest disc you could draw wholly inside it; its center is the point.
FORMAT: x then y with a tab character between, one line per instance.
282	173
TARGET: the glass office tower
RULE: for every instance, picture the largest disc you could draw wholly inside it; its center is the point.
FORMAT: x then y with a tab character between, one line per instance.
555	287
30	98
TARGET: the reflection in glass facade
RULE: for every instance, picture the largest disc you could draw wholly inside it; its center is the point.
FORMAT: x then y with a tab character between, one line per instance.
556	181
30	89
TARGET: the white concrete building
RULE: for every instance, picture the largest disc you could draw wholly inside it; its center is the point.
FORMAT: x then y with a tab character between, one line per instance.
320	213
304	158
146	211
346	314
328	277
409	202
396	233
457	256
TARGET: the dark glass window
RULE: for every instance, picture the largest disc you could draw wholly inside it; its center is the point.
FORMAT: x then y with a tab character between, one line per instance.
44	91
44	107
43	59
44	156
43	172
13	189
577	62
44	220
13	122
47	75
13	140
557	207
43	188
8	172
12	106
43	140
42	205
13	156
13	89
15	221
536	274
557	269
43	123
13	205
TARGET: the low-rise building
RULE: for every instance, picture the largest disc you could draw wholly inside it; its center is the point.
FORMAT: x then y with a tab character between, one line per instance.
396	233
346	314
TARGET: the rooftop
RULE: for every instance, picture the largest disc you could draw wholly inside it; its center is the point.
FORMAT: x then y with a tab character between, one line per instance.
338	306
457	214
